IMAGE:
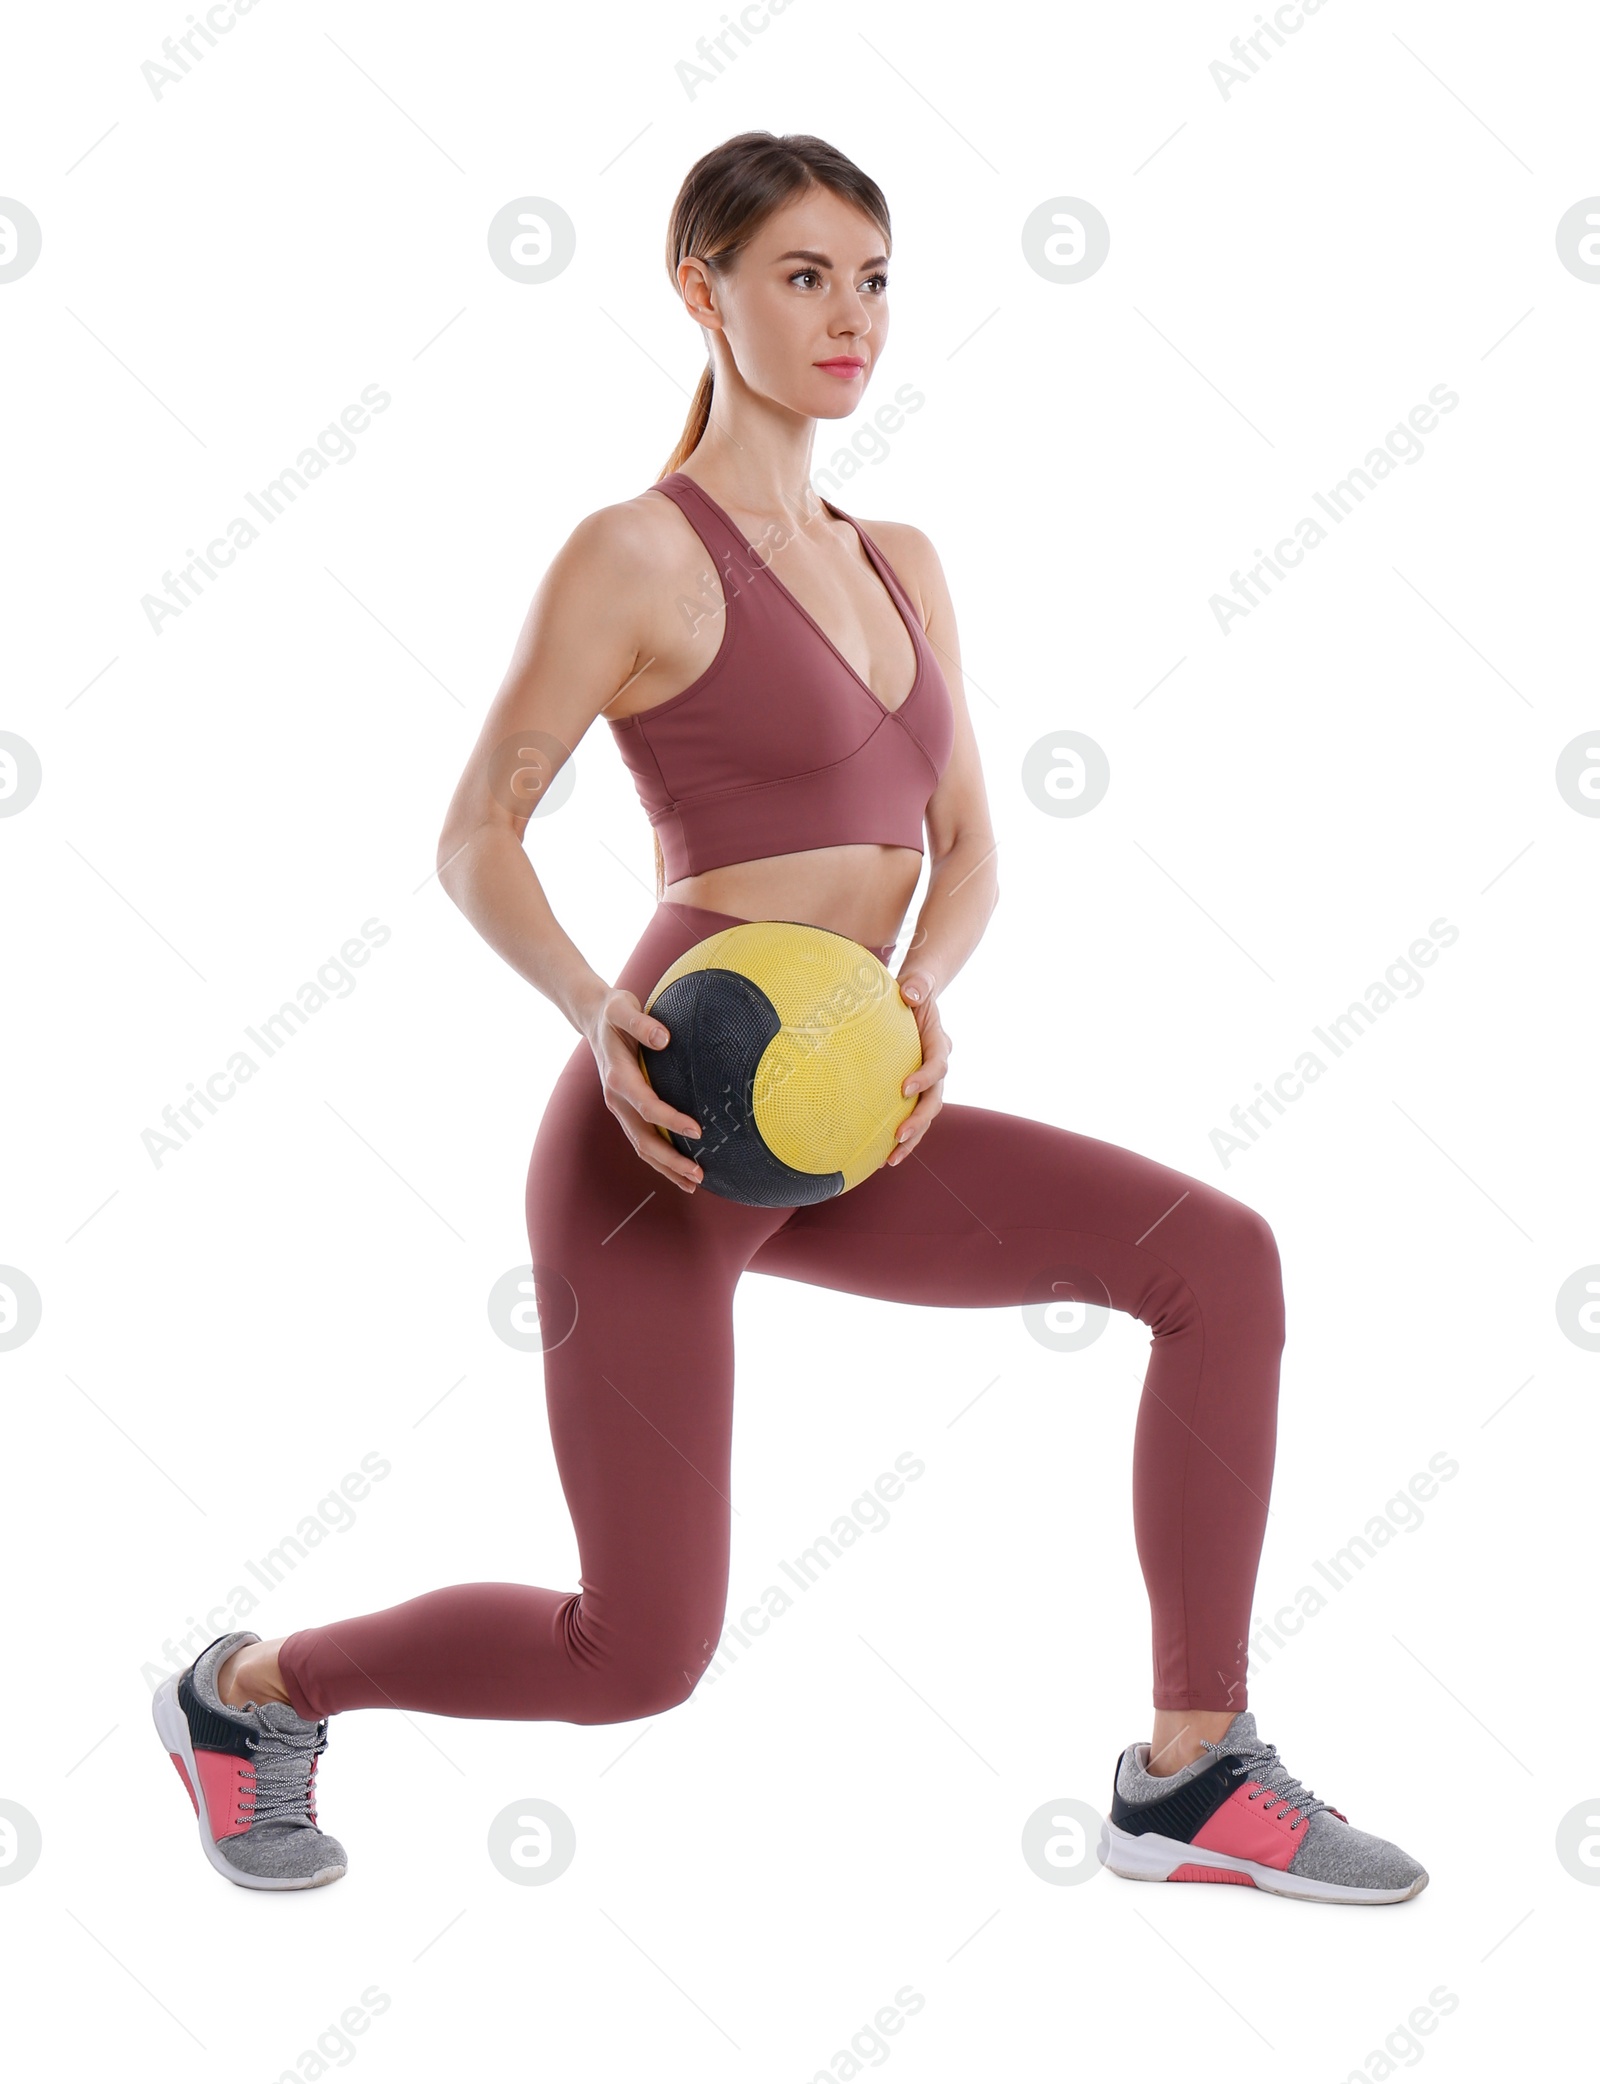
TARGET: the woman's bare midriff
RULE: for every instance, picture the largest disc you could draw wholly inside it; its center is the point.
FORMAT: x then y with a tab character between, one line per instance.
862	891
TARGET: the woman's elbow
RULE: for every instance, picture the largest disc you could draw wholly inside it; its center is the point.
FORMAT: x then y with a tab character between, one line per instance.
453	843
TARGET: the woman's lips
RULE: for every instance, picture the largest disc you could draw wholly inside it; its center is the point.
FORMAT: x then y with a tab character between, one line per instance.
845	365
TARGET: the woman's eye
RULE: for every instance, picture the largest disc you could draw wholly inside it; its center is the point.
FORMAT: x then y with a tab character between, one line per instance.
811	274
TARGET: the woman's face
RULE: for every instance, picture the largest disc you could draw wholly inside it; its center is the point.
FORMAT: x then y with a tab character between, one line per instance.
804	313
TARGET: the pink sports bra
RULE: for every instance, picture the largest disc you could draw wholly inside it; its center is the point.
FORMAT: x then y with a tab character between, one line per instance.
780	746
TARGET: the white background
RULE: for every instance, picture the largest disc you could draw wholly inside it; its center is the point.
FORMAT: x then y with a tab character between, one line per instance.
1292	268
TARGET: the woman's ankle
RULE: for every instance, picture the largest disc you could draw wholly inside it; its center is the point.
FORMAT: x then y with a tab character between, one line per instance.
1180	1736
252	1674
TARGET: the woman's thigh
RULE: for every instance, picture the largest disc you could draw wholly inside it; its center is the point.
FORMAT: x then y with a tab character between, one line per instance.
995	1209
992	1209
635	1283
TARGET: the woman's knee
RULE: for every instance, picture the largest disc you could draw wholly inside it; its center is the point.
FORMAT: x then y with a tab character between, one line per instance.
1247	1259
1226	1253
1249	1234
648	1682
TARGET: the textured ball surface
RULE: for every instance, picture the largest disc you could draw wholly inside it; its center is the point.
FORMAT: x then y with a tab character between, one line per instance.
789	1046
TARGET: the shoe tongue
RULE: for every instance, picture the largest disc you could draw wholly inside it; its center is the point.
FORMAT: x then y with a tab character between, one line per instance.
278	1715
1240	1734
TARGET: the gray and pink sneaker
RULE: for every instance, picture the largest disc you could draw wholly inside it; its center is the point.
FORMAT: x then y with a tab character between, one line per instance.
1235	1814
251	1775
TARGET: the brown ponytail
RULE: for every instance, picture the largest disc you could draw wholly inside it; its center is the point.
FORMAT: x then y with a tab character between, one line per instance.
726	196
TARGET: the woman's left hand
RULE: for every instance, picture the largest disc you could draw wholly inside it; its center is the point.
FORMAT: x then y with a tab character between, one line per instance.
916	988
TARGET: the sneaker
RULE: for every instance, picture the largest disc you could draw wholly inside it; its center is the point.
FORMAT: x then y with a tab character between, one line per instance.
251	1775
1235	1814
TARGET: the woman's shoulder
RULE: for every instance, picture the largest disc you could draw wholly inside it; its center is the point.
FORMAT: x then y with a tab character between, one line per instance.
915	561
620	563
636	535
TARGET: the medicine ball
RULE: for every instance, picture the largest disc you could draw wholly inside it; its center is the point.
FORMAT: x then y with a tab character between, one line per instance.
789	1045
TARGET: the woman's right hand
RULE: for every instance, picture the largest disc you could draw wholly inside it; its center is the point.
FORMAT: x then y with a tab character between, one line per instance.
614	1031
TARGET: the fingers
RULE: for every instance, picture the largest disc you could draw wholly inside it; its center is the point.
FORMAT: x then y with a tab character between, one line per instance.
927	1082
628	1079
915	1126
621	1031
644	1027
626	1015
685	1181
682	1172
930	1071
645	1101
664	1157
654	1149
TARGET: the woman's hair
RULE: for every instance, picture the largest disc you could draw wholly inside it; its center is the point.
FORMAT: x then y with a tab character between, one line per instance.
725	198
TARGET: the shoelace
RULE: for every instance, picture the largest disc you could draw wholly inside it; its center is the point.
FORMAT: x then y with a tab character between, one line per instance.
283	1769
1264	1764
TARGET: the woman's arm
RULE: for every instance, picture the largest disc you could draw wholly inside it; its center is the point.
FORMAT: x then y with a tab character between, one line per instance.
579	646
964	879
575	651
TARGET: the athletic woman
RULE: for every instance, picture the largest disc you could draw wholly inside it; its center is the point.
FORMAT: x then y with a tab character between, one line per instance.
784	684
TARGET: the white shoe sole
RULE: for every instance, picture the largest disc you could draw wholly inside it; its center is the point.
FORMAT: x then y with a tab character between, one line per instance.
172	1726
1150	1857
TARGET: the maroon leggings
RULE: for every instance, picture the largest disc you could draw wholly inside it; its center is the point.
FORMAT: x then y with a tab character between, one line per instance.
635	1283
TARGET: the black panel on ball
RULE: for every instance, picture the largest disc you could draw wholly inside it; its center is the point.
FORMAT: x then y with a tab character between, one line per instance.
720	1023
